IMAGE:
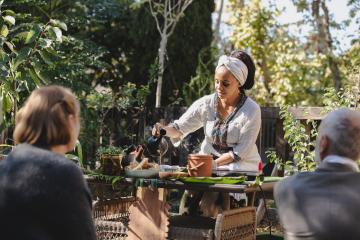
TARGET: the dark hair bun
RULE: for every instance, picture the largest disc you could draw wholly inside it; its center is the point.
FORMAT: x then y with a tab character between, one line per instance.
243	56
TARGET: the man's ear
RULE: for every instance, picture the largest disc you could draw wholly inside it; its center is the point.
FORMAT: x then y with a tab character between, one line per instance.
324	146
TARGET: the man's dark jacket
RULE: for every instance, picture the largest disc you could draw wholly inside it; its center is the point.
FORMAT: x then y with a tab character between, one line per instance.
321	205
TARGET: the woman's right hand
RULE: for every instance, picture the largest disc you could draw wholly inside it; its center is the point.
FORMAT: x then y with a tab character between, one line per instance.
156	129
170	131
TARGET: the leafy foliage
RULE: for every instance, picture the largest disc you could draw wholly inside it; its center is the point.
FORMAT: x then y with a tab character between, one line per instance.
203	83
291	70
107	178
301	141
348	97
27	47
130	96
111	150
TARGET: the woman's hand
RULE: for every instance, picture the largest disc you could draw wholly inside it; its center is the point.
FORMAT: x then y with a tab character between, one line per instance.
170	131
156	129
224	159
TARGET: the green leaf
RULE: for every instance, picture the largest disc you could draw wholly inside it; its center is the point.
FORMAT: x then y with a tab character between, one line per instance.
34	77
54	53
21	35
9	20
4	31
114	180
72	157
23	54
33	34
45	43
80	153
10	46
57	23
4	57
7	103
9	12
46	57
56	33
4	72
39	74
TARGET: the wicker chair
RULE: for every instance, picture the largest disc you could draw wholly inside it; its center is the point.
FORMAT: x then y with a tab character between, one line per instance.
236	224
111	217
232	224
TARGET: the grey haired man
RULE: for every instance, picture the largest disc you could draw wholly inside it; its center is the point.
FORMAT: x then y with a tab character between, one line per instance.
325	204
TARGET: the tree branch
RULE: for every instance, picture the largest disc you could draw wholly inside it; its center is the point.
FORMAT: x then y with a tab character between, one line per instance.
154	14
326	24
179	15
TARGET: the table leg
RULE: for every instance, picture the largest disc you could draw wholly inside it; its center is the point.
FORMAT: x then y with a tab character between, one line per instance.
251	199
149	215
225	201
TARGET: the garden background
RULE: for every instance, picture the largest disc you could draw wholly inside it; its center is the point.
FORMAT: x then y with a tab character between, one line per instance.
111	54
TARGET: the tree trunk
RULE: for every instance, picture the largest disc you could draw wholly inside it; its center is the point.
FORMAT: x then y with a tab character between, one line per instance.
162	52
335	71
334	67
266	73
170	13
217	25
321	42
325	40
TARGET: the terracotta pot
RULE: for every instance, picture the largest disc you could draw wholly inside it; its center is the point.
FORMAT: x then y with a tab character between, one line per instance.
200	165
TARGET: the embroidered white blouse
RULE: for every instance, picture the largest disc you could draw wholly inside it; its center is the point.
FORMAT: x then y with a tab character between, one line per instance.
242	131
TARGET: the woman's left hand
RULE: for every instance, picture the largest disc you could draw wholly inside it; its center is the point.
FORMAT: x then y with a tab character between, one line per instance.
224	159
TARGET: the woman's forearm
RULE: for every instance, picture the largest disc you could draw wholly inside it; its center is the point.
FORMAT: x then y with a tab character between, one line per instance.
172	132
224	159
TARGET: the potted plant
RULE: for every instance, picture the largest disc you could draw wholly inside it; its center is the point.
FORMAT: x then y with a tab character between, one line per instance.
110	158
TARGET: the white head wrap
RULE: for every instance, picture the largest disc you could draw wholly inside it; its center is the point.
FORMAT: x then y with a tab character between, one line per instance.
235	66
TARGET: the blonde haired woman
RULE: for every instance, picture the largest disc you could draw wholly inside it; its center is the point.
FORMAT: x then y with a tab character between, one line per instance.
43	195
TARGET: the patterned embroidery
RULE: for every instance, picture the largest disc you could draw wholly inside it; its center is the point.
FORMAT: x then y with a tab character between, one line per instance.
219	132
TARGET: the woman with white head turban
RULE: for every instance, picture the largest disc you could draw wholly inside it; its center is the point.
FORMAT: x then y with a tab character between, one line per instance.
231	120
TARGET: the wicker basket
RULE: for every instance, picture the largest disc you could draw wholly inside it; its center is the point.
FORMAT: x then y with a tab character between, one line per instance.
111	217
232	224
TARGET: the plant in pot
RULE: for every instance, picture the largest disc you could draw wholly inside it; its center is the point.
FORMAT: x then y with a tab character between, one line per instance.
110	159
